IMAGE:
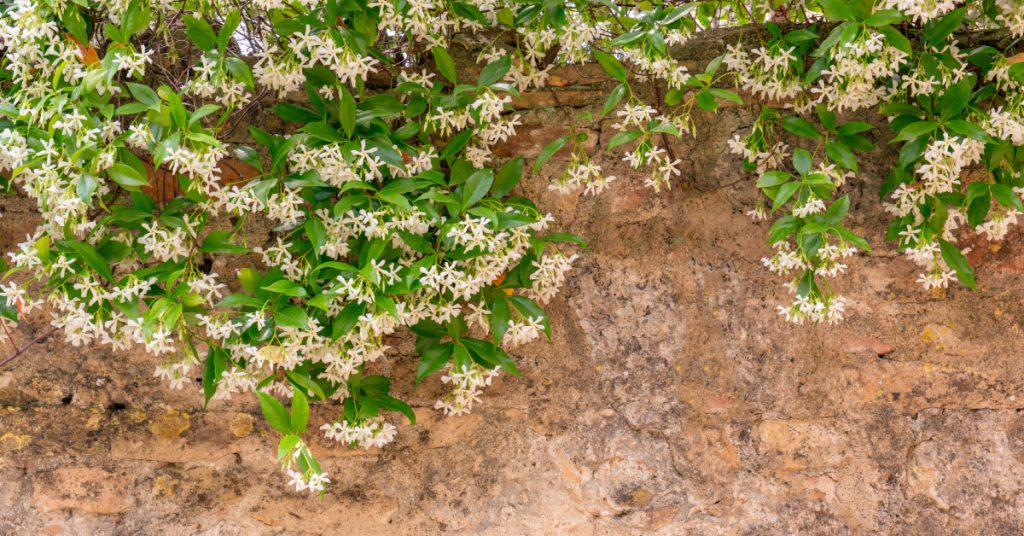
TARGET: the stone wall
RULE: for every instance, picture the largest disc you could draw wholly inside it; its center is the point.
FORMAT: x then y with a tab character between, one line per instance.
673	399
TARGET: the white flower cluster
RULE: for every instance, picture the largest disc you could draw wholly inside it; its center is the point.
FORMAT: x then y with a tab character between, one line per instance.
485	116
425	20
664	68
466	388
1011	15
212	80
375	432
810	304
858	73
919	10
927	254
917	83
550	275
582	173
663	166
526	71
314	483
944	160
1007	123
828	309
766	71
757	149
281	69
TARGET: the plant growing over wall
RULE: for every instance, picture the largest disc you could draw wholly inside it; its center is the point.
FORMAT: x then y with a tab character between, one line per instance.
390	211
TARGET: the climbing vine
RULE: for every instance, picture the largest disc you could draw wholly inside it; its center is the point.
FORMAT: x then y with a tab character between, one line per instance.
390	213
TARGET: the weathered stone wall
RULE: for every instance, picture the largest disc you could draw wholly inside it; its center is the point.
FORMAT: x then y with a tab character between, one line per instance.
673	399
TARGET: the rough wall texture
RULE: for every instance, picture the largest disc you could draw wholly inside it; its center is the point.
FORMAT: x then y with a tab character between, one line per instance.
673	400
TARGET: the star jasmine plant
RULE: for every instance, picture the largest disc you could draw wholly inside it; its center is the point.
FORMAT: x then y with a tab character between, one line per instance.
392	217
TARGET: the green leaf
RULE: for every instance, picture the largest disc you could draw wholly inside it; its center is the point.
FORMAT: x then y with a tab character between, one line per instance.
955	98
852	239
1004	195
127	177
802	161
884	17
706	101
773	178
476	187
548	151
611	65
844	32
507	178
622	138
323	132
347	112
494	71
726	95
300	411
391	403
837	210
627	38
530	309
500	316
274	412
938	30
287	445
75	23
291	316
916	130
967	129
461	360
86	186
295	113
379	105
978	204
505	361
456	144
827	117
220	242
200	32
212	371
144	94
444	63
839	153
854	127
240	300
89	255
347	319
433	358
286	287
837	10
614	98
800	36
800	127
301	382
782	228
956	260
567	238
240	71
231	23
785	192
316	232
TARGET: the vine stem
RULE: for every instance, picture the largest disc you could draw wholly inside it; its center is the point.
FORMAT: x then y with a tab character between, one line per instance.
10	337
21	350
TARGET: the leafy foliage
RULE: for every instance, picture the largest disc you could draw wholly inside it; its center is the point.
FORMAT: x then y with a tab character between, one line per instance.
390	211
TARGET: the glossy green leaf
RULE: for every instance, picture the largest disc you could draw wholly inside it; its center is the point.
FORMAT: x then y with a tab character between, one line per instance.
444	63
956	260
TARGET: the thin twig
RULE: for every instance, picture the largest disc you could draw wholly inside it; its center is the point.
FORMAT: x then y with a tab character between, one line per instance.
8	333
29	345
